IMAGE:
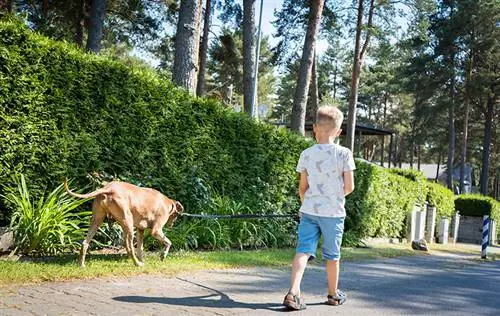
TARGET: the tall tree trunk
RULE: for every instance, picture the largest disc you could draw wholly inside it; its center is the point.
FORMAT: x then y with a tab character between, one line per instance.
401	152
485	161
187	41
6	5
419	157
302	90
45	9
465	134
359	55
313	99
451	130
412	149
386	99
80	22
200	89
335	74
249	52
438	166
96	25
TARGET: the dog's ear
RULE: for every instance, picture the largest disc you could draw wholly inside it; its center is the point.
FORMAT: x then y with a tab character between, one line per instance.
179	208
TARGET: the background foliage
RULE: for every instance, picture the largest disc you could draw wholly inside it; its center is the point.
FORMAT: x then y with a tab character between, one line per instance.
477	205
69	114
442	198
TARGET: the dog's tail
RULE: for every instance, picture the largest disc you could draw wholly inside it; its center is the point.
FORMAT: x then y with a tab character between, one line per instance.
84	196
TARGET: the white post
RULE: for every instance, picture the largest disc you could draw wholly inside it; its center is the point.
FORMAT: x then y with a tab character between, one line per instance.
456	224
493	232
431	224
443	230
412	219
420	224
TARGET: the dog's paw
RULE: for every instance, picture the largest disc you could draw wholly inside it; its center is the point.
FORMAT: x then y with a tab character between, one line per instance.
139	264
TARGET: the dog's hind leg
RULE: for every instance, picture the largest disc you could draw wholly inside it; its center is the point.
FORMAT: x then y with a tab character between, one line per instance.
140	247
128	230
158	235
98	215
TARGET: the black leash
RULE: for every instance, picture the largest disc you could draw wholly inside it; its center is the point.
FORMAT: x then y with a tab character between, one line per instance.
219	216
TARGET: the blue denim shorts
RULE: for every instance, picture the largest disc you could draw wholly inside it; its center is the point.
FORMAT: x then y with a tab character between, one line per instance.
312	227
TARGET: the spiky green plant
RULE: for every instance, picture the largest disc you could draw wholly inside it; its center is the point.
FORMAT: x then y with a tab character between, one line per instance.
50	225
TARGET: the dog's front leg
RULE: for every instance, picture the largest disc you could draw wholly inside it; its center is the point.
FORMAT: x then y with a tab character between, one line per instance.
140	248
158	235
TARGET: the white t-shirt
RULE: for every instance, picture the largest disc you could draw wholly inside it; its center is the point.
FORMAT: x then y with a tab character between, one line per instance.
325	165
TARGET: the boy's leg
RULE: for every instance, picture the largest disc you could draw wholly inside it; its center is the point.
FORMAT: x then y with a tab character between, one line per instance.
332	272
332	230
298	267
308	237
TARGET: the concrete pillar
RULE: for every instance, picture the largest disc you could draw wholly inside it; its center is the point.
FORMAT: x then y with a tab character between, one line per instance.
443	230
493	232
456	224
412	219
420	224
430	223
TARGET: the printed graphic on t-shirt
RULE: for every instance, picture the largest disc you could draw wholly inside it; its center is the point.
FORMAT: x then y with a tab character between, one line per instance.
325	165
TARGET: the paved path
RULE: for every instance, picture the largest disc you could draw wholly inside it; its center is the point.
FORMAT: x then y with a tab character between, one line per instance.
419	285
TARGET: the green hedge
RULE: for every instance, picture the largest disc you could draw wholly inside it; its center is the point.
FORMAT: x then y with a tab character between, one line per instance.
477	205
381	201
442	198
64	113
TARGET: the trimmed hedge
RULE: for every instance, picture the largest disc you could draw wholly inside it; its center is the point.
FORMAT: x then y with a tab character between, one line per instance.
381	201
477	205
64	113
442	198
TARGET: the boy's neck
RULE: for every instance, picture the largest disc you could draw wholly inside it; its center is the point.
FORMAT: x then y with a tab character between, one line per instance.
325	139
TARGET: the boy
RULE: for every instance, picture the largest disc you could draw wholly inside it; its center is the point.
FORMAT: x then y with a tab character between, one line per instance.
326	177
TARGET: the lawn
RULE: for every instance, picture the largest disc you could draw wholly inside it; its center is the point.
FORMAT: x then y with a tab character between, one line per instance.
32	270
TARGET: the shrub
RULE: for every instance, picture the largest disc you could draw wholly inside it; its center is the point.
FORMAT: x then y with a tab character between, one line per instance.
418	179
442	198
68	114
50	225
477	205
382	198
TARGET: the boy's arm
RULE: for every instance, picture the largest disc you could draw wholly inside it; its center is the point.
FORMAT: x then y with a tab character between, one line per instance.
348	182
303	185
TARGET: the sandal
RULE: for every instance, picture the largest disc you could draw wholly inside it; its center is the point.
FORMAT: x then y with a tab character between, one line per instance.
338	299
293	302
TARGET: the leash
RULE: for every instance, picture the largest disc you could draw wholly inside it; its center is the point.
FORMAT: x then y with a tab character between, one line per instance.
220	216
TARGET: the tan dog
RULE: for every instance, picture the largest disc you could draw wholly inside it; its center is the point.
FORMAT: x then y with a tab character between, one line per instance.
131	206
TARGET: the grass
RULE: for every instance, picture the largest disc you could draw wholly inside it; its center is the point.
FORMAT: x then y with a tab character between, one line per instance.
59	268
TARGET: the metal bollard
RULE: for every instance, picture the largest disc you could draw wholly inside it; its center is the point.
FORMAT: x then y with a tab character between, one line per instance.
486	235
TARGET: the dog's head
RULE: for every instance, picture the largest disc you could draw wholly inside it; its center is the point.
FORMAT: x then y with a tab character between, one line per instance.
177	210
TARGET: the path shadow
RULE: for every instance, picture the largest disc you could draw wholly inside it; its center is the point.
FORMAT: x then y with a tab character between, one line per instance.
217	299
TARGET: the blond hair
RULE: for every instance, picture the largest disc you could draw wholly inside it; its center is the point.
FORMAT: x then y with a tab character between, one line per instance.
329	117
